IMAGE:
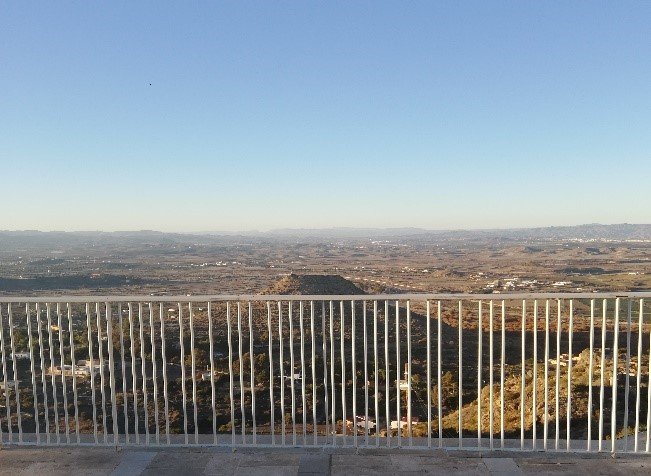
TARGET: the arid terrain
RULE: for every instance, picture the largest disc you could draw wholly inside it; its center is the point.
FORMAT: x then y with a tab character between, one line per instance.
569	259
148	263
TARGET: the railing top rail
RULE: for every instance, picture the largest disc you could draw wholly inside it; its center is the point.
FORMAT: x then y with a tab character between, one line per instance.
320	297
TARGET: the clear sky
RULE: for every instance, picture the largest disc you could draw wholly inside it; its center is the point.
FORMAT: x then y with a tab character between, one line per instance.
205	116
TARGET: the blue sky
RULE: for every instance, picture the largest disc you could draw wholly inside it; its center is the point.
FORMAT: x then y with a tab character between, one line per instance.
267	114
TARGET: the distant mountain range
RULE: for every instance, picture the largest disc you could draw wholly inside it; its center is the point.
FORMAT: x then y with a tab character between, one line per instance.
623	231
595	231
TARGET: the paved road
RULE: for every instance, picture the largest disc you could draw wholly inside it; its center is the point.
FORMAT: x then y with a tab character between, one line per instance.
217	461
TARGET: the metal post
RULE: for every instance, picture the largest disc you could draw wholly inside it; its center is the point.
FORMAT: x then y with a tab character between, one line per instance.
303	375
491	408
134	381
193	363
16	379
100	344
282	370
429	377
272	403
409	429
114	403
183	380
534	405
439	338
460	376
213	396
252	361
502	361
33	373
569	374
603	374
154	371
230	370
613	418
523	373
240	357
590	371
145	396
164	359
638	377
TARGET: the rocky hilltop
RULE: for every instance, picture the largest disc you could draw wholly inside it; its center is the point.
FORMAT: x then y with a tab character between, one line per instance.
313	284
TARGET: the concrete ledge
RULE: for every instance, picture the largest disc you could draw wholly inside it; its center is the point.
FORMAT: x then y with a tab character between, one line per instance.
312	461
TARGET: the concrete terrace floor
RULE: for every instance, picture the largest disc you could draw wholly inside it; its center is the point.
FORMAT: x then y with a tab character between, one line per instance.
221	461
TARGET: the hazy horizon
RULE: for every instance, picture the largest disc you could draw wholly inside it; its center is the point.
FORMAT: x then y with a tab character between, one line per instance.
321	229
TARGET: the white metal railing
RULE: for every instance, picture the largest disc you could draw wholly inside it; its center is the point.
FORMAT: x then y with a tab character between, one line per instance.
515	371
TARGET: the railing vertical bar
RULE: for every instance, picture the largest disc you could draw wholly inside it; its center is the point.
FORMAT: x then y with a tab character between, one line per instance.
546	380
439	338
6	394
64	386
193	363
15	375
409	419
53	377
282	370
558	373
343	371
62	360
523	373
460	374
240	356
272	405
314	422
124	377
32	368
491	391
154	370
429	374
145	399
3	356
114	403
213	396
479	366
252	362
613	418
648	402
365	375
164	360
292	370
303	375
332	372
324	351
387	374
603	373
183	381
590	371
376	377
230	369
353	338
627	378
102	375
638	377
398	372
569	375
134	377
534	406
43	379
502	361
